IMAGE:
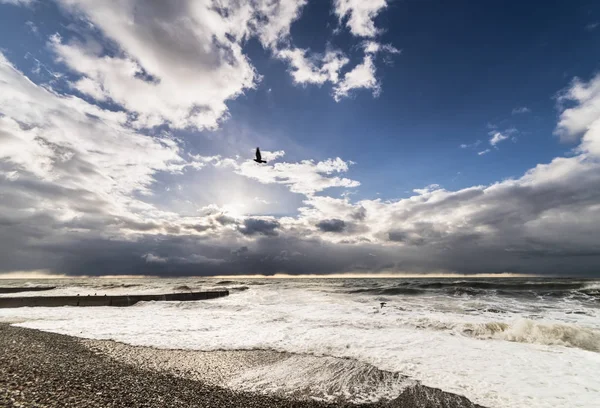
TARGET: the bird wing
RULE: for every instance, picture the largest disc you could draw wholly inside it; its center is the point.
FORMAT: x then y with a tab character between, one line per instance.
258	156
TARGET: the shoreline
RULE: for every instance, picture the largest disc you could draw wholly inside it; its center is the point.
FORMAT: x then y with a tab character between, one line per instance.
42	369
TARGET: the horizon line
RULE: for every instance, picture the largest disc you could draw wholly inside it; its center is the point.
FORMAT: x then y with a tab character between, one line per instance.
435	275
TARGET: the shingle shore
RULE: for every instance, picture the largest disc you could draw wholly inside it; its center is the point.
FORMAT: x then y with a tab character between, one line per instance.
40	369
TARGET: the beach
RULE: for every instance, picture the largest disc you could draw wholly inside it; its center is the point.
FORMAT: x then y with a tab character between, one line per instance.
502	343
43	369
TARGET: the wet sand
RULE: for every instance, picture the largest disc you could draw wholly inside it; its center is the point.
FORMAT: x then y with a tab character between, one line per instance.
42	369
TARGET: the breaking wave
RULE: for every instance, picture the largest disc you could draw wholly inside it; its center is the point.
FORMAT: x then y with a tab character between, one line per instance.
518	289
522	331
323	378
389	291
119	285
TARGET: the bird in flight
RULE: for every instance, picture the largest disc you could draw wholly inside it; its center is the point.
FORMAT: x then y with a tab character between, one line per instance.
259	157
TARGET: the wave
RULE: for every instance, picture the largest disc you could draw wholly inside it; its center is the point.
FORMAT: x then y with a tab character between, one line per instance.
581	290
529	285
389	291
119	285
522	331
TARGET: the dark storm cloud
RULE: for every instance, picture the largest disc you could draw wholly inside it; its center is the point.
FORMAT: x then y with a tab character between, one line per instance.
199	227
533	227
187	255
333	225
398	236
360	214
139	226
254	226
225	220
420	234
240	251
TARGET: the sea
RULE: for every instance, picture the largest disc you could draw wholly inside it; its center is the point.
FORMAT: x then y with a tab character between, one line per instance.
511	342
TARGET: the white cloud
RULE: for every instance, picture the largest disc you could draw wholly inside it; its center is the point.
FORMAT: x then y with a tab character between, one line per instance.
307	68
471	145
486	151
18	2
583	119
305	177
180	61
272	156
427	189
577	120
10	175
82	154
276	18
168	52
520	110
318	69
373	47
315	69
32	27
497	137
154	258
360	15
362	76
192	52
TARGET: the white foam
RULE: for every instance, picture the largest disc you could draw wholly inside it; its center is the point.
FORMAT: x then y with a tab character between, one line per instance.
490	370
323	378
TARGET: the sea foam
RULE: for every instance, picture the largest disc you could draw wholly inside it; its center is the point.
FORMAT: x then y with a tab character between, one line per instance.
532	355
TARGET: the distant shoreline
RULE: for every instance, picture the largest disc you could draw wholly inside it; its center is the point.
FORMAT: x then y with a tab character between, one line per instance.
501	275
42	369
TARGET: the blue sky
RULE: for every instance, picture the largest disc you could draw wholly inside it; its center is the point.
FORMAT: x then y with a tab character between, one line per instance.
422	101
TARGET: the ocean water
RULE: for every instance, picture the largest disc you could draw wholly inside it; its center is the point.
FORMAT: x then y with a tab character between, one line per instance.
500	342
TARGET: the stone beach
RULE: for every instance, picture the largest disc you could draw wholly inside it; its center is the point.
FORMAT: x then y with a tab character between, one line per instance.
40	369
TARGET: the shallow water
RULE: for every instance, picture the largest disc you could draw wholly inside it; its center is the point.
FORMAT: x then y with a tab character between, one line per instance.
501	343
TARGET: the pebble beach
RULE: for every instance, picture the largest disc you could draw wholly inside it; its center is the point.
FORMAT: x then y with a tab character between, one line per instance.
41	369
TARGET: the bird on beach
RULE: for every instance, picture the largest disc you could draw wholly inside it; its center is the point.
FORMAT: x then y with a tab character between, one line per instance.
259	157
383	304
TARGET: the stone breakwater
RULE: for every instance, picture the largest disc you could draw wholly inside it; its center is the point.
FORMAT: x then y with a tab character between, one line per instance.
106	300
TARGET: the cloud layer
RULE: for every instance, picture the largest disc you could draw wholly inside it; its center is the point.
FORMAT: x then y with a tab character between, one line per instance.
79	166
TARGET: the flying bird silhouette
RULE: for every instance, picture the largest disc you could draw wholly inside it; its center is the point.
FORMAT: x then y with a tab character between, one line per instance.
259	157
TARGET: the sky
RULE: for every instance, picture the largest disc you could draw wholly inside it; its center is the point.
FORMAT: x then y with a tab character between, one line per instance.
401	137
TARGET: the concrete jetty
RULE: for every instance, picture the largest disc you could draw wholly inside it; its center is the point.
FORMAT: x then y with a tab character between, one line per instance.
26	289
114	300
